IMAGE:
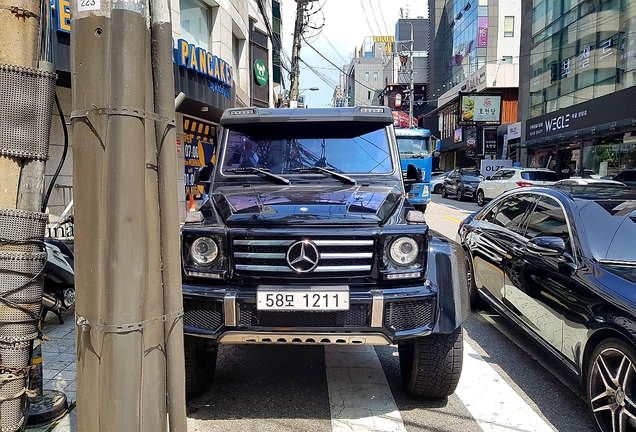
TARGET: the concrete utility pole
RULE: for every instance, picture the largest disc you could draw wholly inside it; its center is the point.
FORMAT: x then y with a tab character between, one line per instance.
295	60
128	328
412	81
27	90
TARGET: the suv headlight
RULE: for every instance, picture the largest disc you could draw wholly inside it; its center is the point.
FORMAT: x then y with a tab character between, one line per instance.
403	251
204	251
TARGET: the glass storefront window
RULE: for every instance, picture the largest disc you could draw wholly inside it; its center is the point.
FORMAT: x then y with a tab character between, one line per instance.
579	45
611	157
195	23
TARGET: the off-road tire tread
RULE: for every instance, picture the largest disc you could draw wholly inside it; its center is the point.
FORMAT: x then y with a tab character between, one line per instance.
196	381
439	358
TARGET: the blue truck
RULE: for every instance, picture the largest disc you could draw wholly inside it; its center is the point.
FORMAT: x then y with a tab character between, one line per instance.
417	148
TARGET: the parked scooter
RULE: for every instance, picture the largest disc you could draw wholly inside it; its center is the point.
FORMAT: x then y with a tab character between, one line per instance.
59	278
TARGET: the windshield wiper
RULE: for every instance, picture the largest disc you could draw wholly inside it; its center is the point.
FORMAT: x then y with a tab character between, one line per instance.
267	174
343	178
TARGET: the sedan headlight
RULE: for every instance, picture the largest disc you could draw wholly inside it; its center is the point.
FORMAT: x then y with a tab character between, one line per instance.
204	251
403	251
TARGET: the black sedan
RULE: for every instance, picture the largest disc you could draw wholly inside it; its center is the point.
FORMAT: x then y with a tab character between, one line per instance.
461	185
562	266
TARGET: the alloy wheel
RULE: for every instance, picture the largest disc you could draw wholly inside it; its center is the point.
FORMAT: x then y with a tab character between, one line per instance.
611	390
480	198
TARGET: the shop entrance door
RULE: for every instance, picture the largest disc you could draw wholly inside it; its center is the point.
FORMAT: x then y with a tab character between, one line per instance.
567	163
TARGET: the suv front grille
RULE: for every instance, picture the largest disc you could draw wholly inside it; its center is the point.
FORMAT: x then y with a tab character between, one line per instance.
407	315
336	256
356	316
206	315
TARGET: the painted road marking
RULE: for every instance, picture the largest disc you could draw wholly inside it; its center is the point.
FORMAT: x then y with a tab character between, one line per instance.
359	395
491	401
452	219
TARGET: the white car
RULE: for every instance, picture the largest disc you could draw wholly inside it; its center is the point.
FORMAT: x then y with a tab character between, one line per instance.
511	178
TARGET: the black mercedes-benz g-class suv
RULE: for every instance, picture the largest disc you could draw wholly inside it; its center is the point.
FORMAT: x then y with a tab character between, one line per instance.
307	238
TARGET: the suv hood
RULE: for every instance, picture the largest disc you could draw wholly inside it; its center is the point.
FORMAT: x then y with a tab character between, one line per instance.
306	204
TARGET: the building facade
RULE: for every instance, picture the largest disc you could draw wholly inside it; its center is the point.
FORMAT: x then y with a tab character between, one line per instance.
578	82
238	37
474	49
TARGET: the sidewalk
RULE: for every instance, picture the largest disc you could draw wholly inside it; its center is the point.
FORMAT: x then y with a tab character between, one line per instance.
58	364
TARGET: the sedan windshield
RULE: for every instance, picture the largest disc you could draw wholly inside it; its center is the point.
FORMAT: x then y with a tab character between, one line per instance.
471	179
362	154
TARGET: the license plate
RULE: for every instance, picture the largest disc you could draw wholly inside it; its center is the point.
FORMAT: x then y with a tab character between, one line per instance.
315	298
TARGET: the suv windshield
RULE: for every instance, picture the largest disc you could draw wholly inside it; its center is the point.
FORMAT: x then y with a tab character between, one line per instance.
414	146
361	154
539	175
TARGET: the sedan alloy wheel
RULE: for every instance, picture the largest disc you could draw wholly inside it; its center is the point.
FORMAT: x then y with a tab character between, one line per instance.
611	380
480	198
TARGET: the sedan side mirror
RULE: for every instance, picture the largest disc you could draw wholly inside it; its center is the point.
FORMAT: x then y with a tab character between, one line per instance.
546	246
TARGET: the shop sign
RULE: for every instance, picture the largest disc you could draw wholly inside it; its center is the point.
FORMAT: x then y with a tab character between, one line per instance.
479	108
62	11
471	136
491	166
482	32
605	109
490	141
199	143
260	73
458	136
218	71
514	130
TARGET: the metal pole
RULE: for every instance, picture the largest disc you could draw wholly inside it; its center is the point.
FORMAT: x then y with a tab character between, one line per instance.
166	145
412	78
295	67
119	307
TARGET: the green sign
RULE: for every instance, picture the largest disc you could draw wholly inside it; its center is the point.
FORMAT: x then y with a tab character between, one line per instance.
260	72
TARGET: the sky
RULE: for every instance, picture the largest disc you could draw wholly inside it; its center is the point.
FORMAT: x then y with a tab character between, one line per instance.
345	27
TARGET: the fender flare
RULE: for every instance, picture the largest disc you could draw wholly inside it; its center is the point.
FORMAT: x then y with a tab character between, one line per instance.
446	269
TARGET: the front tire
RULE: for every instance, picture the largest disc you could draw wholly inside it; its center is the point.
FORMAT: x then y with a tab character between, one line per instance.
431	365
475	299
420	207
444	193
481	200
610	379
200	363
460	195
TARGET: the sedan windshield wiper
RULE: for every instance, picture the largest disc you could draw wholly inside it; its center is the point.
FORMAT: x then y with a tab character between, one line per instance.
266	173
343	178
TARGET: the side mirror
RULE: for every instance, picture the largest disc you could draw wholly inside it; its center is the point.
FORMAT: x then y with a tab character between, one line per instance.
413	173
436	153
546	246
202	175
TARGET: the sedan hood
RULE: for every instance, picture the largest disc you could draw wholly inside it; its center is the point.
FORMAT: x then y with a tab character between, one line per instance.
306	204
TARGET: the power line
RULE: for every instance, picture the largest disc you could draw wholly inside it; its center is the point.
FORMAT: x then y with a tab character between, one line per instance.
367	18
334	48
375	18
382	15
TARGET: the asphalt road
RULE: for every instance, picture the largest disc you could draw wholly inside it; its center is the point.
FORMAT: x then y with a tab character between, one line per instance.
507	383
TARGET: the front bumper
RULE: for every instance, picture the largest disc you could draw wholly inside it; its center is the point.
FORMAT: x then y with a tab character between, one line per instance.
420	193
228	315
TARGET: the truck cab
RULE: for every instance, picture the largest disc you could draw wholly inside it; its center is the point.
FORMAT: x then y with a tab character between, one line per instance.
308	239
417	148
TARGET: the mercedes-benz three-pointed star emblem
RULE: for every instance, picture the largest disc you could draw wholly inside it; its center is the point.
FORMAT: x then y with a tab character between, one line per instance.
303	256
